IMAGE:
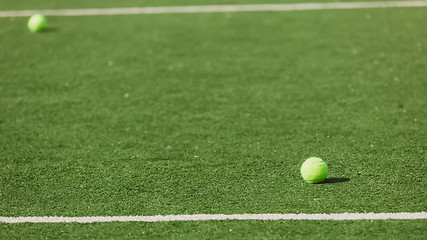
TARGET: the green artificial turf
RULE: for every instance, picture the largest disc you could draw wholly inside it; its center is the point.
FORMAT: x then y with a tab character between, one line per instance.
365	229
214	113
61	4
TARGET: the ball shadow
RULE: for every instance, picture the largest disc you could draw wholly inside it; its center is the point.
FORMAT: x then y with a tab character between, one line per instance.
50	30
335	180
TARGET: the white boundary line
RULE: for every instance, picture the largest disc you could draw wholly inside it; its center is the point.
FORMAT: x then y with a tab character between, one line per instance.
205	217
214	8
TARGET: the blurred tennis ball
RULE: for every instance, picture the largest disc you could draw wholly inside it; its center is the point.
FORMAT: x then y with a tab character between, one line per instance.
37	23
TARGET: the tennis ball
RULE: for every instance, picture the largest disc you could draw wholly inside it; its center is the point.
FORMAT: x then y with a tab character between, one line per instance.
314	170
37	23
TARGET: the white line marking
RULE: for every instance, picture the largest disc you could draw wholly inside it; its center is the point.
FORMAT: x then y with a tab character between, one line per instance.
214	8
204	217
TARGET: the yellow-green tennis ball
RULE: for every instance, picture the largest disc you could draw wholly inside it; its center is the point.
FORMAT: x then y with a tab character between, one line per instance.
37	23
314	170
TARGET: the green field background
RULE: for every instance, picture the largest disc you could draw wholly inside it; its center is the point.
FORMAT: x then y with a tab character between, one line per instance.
214	113
221	112
365	229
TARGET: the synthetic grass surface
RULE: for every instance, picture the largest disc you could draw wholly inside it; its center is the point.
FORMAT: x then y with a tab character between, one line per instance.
394	229
213	113
61	4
